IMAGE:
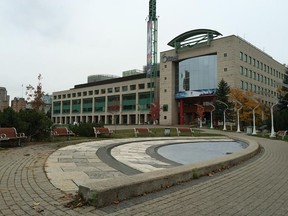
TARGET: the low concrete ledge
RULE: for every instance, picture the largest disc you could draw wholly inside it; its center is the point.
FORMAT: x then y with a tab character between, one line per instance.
105	192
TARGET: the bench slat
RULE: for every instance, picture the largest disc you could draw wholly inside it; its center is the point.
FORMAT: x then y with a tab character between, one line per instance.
142	131
184	130
99	131
281	133
11	134
62	131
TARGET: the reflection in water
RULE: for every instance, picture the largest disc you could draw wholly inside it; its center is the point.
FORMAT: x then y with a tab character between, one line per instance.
189	153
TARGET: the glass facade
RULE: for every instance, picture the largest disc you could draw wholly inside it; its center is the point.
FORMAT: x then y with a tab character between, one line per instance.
197	76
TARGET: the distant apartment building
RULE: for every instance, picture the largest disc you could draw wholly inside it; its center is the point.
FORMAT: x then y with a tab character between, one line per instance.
18	104
4	99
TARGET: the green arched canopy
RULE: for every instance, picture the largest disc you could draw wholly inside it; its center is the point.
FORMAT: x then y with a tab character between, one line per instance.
193	37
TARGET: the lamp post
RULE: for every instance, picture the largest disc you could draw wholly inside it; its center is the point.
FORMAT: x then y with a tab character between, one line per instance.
272	121
238	118
224	115
211	115
254	120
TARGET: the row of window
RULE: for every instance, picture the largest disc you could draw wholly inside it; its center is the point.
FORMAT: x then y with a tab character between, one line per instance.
101	104
260	65
256	76
257	89
109	90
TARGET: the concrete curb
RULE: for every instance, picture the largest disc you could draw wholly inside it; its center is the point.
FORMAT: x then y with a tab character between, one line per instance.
105	192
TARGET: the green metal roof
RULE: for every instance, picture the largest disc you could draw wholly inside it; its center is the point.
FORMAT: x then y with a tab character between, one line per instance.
193	37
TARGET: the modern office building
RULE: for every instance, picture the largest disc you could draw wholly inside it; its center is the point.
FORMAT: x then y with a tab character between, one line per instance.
124	100
189	74
4	99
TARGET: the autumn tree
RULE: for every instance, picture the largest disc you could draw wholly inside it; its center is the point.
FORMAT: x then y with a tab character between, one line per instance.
155	111
35	95
200	113
249	101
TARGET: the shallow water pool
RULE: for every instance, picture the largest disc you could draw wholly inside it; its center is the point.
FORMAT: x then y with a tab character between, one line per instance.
190	153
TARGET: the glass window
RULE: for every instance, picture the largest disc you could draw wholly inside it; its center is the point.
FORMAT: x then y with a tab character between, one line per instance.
241	56
192	76
117	89
103	91
141	86
165	108
124	88
96	92
132	87
110	90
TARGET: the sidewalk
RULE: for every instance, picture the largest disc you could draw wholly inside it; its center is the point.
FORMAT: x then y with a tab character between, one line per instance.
258	188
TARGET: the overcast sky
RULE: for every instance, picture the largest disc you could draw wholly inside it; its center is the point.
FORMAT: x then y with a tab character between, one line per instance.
68	40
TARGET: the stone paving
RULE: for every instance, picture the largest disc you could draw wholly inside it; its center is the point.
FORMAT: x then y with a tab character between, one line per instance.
259	187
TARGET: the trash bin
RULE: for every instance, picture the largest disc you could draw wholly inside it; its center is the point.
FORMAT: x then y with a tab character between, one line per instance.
166	131
249	130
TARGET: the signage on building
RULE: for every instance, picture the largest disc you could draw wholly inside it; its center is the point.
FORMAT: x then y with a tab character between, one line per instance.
169	58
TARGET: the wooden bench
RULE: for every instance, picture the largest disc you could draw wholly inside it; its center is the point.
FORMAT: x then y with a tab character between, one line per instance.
10	134
100	131
61	132
184	130
138	131
281	133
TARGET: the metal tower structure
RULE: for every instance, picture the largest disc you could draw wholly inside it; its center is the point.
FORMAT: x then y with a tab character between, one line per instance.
152	48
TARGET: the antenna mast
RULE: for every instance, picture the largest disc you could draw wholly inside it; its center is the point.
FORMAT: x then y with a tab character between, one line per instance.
152	46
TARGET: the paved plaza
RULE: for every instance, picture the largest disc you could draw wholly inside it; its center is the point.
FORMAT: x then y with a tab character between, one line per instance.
41	180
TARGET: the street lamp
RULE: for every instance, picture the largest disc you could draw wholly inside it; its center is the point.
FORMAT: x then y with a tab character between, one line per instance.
238	118
211	115
272	121
224	114
254	120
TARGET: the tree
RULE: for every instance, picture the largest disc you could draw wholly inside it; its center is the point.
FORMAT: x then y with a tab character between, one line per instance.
155	111
222	94
200	113
35	124
249	102
9	118
35	95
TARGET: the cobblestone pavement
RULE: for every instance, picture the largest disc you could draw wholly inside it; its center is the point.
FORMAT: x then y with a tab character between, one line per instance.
259	187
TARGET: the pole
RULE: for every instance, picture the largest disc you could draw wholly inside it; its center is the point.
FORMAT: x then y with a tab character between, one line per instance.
224	115
272	135
211	115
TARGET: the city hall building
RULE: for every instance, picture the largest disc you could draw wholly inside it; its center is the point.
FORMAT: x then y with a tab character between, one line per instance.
188	76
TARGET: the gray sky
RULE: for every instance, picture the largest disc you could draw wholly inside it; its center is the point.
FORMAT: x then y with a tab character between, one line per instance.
68	40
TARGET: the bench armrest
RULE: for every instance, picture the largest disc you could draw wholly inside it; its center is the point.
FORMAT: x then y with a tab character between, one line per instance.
20	135
2	136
